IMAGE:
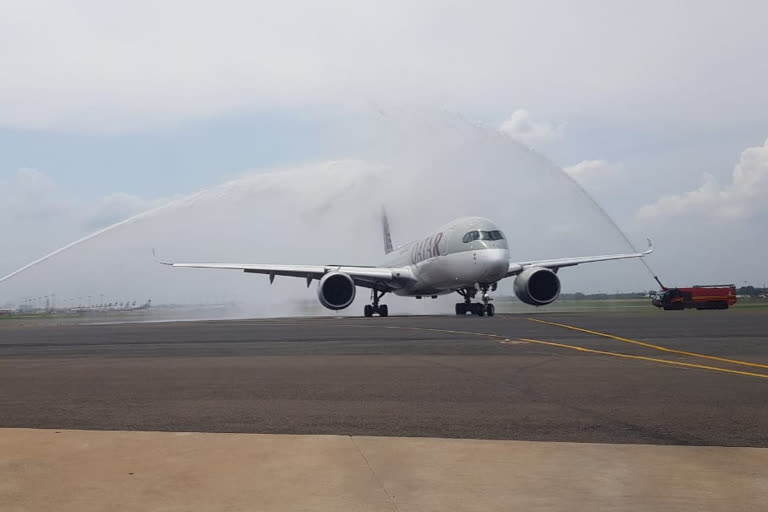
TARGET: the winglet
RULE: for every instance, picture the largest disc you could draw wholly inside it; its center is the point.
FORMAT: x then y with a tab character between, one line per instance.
650	247
159	260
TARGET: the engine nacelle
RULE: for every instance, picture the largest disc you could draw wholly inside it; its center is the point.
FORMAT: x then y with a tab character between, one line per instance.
537	286
336	290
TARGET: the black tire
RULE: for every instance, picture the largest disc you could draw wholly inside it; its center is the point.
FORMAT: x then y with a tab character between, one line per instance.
368	310
490	310
383	310
460	308
480	310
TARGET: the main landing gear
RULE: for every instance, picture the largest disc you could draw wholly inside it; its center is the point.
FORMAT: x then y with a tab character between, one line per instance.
476	308
376	308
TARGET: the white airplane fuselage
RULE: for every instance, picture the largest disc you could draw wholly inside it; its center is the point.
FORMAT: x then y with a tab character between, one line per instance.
446	260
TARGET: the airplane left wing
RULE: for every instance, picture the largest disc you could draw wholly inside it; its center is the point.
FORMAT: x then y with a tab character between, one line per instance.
555	264
367	277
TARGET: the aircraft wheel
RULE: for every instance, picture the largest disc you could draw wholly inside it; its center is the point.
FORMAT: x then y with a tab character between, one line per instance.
490	310
461	308
368	310
383	310
479	310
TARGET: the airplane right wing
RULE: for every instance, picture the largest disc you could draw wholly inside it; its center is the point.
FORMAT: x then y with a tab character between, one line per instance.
367	277
555	264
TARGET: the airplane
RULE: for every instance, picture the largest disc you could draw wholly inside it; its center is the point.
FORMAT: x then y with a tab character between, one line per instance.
465	256
134	307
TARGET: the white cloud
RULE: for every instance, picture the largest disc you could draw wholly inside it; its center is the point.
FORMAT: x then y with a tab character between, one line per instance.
744	197
521	127
111	66
31	196
36	214
587	170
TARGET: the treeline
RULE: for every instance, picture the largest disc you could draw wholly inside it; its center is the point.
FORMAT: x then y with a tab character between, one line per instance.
603	296
751	291
745	291
591	296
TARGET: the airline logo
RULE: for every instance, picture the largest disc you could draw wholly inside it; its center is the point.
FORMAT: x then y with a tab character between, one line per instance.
427	248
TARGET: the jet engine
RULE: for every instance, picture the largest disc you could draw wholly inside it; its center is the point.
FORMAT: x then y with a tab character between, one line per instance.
336	290
537	286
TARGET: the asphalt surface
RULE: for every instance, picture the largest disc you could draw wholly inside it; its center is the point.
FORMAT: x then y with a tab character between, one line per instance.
461	377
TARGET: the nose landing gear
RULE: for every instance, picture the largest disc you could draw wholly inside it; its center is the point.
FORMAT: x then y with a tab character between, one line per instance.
376	308
476	308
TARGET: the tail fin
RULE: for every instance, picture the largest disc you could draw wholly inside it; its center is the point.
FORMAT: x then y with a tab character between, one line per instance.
385	228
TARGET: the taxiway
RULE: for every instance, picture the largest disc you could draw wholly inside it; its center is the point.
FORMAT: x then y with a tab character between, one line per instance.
683	378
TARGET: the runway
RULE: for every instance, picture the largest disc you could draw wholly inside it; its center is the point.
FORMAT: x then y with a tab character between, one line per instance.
679	378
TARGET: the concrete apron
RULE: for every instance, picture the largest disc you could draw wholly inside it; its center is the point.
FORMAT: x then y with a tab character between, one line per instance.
146	471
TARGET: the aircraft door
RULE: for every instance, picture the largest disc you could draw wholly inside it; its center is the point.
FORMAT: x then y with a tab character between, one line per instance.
442	244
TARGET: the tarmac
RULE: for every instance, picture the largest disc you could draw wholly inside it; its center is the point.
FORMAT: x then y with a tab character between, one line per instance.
527	412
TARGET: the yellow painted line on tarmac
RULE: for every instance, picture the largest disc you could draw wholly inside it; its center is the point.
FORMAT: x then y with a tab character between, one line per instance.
649	345
487	335
644	358
513	341
495	337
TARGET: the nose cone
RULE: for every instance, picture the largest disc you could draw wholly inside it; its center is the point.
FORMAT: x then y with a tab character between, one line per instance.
493	263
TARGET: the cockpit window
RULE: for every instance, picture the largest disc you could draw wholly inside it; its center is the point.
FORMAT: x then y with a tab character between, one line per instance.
482	235
471	237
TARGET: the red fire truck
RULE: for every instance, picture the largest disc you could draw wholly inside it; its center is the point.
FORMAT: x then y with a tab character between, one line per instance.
710	296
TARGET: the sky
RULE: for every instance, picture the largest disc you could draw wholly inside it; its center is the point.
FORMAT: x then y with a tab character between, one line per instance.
657	109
